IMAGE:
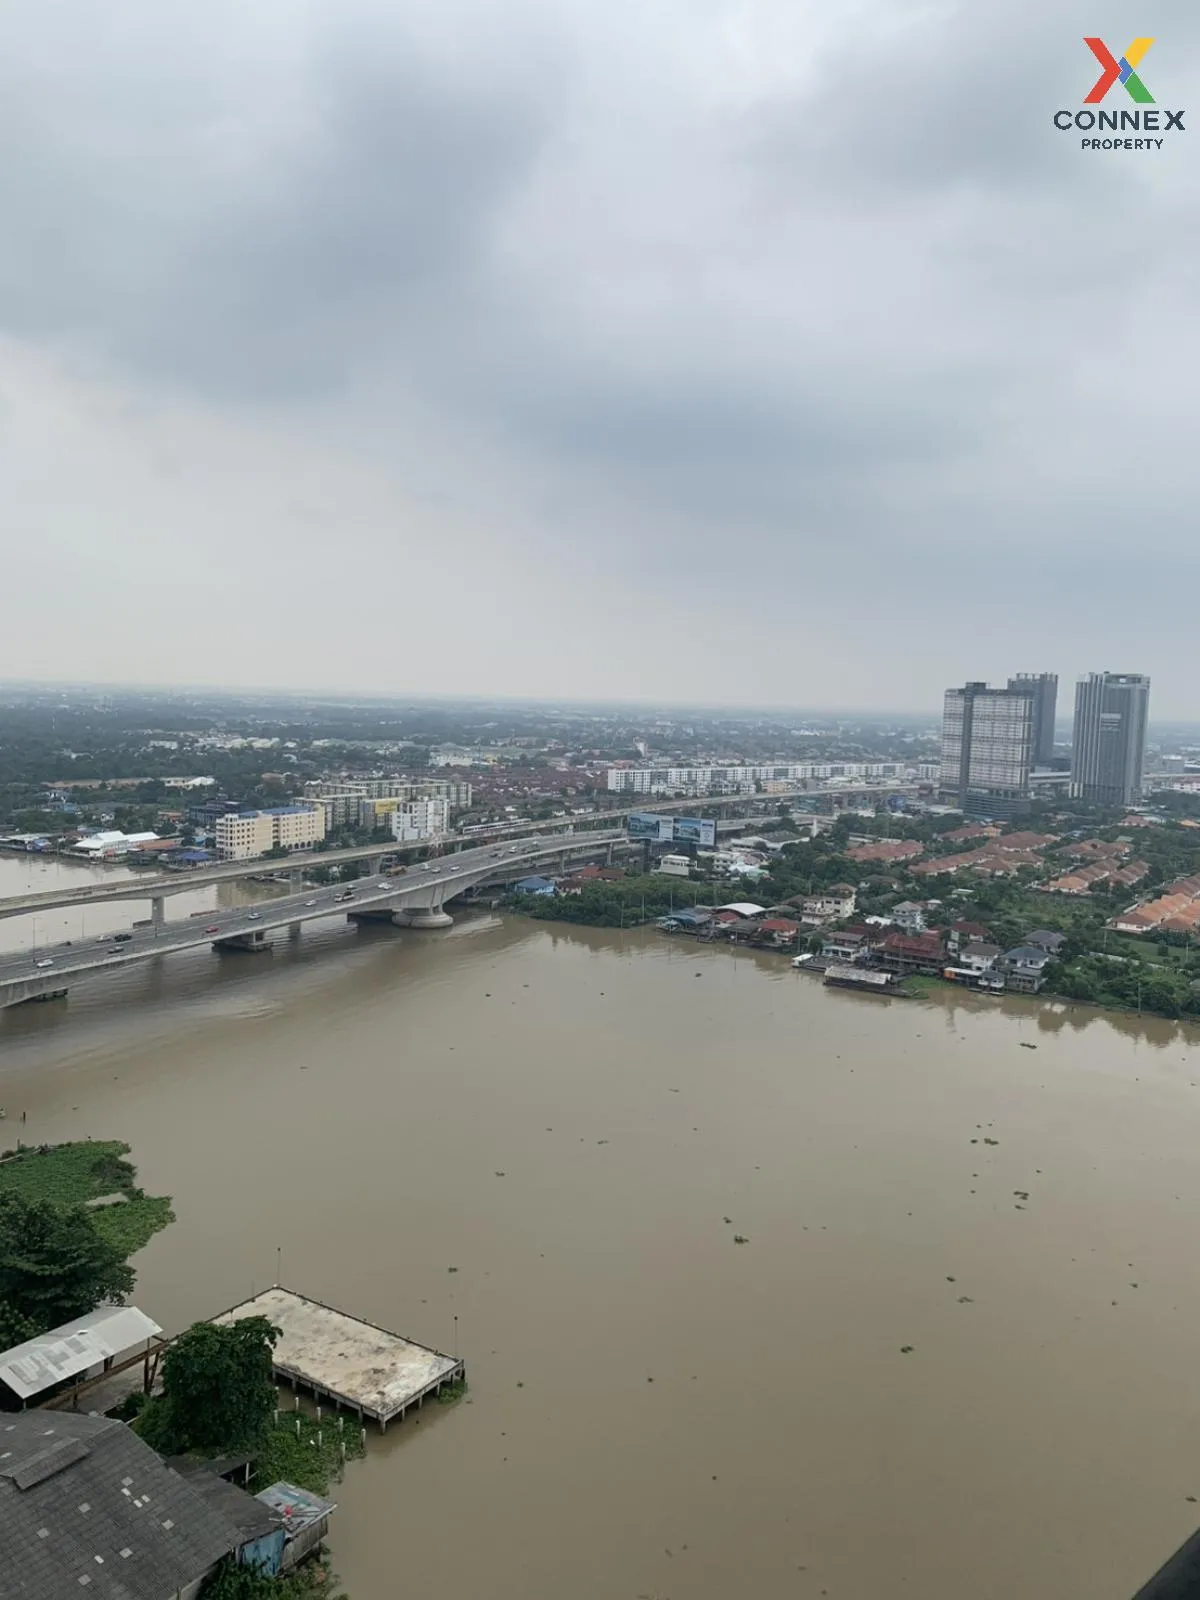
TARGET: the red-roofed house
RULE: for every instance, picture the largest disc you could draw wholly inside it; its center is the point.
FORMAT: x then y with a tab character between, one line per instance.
915	952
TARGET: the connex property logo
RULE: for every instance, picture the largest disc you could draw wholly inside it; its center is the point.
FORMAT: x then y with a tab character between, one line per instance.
1125	125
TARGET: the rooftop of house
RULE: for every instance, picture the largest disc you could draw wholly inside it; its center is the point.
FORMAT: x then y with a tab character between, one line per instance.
887	850
1027	955
88	1508
913	943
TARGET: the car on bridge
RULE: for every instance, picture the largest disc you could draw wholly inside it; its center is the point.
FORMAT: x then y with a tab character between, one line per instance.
213	929
48	962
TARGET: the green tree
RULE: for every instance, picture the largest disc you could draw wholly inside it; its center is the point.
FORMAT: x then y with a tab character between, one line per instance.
233	1582
53	1263
218	1389
14	1328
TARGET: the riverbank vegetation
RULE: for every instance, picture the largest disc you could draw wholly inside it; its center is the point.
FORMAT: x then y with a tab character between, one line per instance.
80	1174
219	1398
61	1256
617	903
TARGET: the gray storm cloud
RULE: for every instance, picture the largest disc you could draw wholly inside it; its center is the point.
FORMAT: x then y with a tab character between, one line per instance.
602	332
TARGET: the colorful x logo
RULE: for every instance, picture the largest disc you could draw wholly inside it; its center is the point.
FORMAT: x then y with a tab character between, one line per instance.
1123	69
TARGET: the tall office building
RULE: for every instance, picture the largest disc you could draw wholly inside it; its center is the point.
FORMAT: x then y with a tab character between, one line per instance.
987	739
1109	750
1042	688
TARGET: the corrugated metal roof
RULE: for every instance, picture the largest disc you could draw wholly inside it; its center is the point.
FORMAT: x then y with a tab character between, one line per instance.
65	1352
299	1508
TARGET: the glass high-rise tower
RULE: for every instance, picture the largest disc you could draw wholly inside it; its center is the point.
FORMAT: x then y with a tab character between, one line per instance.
1109	750
1042	688
987	739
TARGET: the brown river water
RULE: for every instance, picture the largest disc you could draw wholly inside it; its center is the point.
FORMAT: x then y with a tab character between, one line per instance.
656	1411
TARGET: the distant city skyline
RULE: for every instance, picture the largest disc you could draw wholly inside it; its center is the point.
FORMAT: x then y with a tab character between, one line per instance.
318	695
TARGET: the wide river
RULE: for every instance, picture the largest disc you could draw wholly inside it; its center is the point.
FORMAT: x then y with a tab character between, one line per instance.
956	1357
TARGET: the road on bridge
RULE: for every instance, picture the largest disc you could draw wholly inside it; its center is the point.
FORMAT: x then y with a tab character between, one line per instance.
47	969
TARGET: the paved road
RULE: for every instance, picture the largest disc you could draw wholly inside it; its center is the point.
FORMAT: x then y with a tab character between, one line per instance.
148	885
432	881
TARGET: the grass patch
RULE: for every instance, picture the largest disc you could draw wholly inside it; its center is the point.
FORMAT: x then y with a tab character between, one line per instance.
311	1459
72	1174
918	983
452	1392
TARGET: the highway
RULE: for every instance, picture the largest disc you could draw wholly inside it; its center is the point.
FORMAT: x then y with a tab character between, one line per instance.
422	889
147	885
158	886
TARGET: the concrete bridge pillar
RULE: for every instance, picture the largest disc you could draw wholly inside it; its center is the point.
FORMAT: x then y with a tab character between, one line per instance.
293	931
296	879
158	906
434	917
608	854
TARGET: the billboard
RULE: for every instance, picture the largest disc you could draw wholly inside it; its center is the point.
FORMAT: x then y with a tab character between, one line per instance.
649	825
692	830
657	829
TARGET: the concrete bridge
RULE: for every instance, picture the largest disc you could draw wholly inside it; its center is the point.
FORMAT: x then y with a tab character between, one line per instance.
415	899
157	887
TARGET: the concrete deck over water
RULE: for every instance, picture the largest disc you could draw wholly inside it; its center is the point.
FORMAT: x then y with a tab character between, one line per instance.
350	1361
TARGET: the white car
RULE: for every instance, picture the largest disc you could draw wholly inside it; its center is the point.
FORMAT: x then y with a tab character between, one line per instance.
310	902
48	962
253	916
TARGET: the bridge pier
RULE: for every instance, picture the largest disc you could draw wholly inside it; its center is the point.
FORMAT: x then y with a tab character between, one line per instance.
435	917
293	931
256	943
158	908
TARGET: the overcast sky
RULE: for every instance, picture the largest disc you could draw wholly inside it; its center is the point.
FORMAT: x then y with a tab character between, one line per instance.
746	351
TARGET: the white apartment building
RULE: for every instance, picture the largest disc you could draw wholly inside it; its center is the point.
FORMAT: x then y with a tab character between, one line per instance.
420	819
347	800
242	835
668	780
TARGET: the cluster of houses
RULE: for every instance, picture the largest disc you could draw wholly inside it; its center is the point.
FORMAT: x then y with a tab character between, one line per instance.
964	955
898	944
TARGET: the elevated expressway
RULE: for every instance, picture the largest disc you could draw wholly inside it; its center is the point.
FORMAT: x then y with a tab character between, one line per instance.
415	899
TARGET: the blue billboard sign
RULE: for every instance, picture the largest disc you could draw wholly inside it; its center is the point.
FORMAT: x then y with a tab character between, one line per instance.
694	830
649	825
